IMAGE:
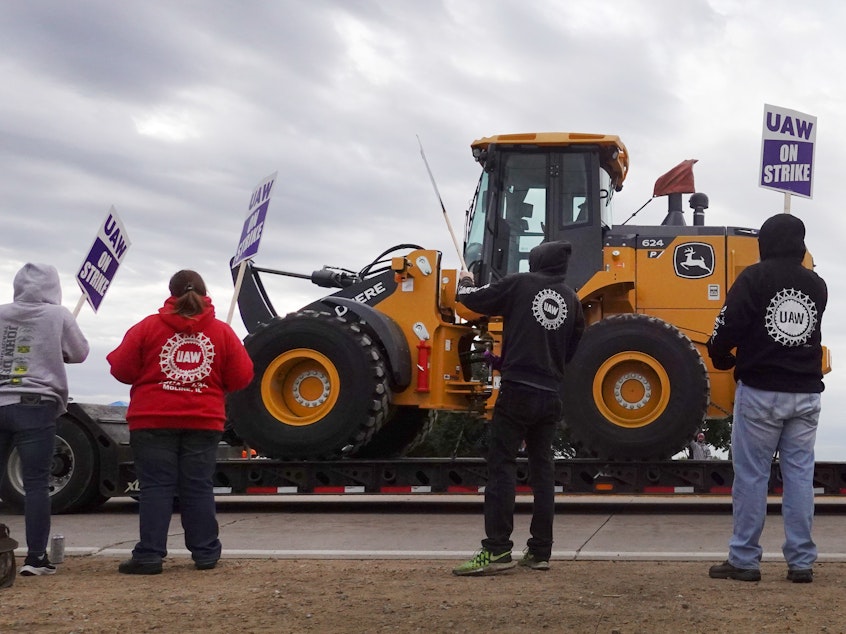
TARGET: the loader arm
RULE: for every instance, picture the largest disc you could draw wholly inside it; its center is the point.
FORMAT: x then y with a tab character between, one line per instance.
253	302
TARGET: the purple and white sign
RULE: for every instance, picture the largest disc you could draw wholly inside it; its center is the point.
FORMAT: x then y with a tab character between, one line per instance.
100	265
248	243
787	151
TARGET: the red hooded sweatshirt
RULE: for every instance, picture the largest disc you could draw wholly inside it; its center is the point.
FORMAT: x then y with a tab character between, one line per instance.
180	369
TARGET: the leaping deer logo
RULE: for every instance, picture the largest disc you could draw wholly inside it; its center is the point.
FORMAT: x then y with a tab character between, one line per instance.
691	261
694	260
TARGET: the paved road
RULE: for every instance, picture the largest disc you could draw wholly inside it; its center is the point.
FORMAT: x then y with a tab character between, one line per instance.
405	527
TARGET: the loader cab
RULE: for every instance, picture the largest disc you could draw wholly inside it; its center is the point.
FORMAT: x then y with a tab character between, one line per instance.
541	187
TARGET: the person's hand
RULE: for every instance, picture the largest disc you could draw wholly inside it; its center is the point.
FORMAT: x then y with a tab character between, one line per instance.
724	363
494	361
466	275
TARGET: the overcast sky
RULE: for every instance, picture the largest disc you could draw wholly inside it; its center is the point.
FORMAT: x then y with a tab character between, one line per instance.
173	110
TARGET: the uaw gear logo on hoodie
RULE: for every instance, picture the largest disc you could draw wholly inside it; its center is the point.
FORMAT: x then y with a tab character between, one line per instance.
791	317
550	309
186	360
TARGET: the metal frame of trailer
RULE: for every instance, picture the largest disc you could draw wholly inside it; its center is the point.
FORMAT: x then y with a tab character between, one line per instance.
236	475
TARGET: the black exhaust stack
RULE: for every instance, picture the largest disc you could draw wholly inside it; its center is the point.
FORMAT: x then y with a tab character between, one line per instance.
699	203
675	215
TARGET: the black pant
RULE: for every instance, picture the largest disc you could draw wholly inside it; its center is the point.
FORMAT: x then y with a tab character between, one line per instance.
171	462
521	413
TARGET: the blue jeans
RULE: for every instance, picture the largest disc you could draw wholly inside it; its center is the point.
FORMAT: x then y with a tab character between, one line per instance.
521	413
32	430
763	423
170	463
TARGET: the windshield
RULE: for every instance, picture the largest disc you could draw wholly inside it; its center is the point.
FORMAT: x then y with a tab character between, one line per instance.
475	229
520	213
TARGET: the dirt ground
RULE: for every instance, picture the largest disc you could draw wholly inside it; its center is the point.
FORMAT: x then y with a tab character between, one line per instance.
261	595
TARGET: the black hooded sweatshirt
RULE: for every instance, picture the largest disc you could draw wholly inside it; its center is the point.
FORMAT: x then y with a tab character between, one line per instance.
773	314
542	316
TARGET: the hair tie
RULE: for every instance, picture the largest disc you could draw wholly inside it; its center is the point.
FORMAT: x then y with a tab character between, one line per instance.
189	287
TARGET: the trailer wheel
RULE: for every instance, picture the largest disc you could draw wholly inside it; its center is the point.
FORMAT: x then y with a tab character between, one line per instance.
320	389
73	473
404	430
637	389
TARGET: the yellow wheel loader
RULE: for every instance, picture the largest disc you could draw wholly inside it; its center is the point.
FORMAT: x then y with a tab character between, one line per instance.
362	371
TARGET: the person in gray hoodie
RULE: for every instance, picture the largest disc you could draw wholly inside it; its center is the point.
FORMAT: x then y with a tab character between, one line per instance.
37	337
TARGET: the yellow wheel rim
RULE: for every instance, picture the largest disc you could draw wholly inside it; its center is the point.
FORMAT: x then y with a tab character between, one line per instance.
300	387
631	389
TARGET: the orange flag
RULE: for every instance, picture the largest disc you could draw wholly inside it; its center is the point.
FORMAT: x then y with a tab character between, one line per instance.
678	180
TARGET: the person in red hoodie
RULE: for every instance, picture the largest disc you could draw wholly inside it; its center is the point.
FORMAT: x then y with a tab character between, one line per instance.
180	363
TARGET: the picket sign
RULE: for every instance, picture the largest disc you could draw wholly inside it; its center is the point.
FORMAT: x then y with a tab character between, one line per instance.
100	265
251	232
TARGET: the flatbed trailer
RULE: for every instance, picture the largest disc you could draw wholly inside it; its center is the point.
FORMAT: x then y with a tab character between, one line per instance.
93	462
260	476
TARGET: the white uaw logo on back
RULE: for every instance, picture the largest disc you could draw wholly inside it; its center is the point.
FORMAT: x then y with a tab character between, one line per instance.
791	317
549	308
187	358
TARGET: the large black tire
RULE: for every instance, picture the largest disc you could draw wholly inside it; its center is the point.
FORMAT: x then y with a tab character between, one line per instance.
405	429
74	485
320	389
637	389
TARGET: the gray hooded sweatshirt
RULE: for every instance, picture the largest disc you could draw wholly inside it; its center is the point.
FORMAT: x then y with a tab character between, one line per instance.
37	337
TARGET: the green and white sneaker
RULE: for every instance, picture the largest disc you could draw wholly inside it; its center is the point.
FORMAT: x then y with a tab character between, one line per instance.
530	561
485	562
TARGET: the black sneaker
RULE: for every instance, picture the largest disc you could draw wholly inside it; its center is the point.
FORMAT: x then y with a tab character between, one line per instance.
726	571
208	564
532	562
135	567
800	575
37	566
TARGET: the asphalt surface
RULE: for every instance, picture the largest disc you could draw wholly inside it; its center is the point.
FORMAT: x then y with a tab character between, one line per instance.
647	528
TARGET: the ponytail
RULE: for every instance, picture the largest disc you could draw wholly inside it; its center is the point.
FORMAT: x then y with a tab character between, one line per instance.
190	304
189	289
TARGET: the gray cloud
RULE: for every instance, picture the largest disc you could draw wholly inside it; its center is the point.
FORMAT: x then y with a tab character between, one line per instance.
173	111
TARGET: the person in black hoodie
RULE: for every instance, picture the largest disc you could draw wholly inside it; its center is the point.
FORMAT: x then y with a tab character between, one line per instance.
772	318
543	323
